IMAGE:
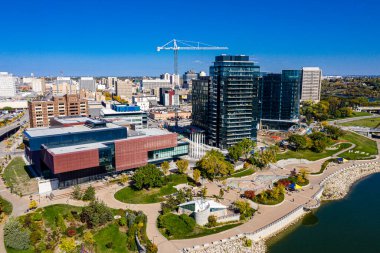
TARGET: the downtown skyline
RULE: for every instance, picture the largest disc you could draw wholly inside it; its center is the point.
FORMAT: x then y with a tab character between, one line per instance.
120	39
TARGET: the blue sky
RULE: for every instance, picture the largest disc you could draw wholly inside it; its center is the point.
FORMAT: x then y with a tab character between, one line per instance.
119	37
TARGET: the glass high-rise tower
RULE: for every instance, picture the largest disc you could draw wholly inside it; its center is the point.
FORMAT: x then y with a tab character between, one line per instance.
233	100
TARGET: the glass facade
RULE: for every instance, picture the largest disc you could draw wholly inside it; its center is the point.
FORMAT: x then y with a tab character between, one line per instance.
233	100
280	99
200	101
168	153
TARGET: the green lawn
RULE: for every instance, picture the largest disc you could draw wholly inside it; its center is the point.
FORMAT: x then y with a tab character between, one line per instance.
371	122
310	155
184	227
17	178
354	114
5	206
50	213
243	173
154	195
111	233
324	166
363	144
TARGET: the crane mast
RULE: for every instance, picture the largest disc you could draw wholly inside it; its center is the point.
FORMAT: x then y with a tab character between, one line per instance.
177	45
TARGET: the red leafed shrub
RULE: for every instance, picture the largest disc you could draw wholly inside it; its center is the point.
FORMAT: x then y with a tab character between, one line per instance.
249	194
284	182
71	232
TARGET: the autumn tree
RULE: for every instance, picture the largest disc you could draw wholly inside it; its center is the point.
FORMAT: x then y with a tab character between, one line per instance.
165	166
182	165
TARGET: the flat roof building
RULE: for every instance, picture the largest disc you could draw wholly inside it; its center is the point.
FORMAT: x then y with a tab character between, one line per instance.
80	153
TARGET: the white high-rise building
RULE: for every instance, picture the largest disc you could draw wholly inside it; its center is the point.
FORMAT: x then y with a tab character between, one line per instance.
38	84
87	83
112	82
7	85
311	84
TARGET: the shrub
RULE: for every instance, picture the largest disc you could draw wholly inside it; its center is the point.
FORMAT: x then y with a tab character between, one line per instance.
109	245
249	194
212	221
37	217
77	194
71	231
122	222
244	208
15	236
89	194
247	242
96	214
35	237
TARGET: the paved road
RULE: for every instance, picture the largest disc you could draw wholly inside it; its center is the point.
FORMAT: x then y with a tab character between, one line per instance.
15	124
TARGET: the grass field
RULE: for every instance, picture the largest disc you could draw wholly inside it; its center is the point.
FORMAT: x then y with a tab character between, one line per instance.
310	155
371	122
362	143
17	178
111	234
354	114
243	173
183	227
153	195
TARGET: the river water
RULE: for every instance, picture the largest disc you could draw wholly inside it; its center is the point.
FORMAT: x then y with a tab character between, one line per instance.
351	225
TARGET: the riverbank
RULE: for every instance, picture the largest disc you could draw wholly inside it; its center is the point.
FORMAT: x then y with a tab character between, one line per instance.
335	186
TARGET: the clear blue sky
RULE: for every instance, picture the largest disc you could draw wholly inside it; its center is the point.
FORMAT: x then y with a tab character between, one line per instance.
119	37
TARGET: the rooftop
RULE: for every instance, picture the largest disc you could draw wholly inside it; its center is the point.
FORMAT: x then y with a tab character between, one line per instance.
107	111
202	204
46	131
70	120
76	148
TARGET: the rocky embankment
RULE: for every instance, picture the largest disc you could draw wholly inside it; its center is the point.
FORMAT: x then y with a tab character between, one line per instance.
339	185
234	246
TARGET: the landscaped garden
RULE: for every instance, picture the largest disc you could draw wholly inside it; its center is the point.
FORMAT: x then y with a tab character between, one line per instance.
182	226
150	185
268	197
18	179
369	122
95	228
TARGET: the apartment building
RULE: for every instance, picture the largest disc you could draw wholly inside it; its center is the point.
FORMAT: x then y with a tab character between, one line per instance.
40	112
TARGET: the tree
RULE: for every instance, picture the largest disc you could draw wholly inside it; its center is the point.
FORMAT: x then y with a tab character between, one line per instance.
246	145
182	165
334	132
89	194
204	192
15	236
267	156
221	193
213	164
124	178
244	208
249	194
77	193
148	176
96	214
319	146
165	166
297	141
235	152
33	204
196	175
212	221
68	245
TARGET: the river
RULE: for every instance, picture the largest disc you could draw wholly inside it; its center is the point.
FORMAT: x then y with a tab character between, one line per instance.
350	225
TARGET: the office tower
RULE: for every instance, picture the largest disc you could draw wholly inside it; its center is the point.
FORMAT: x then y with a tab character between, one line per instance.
188	78
38	84
311	84
111	82
7	85
40	112
63	86
279	97
87	83
200	101
124	89
233	110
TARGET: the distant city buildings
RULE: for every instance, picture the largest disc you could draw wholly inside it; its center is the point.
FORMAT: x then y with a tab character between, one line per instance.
111	82
87	83
311	84
280	99
124	89
126	115
7	85
63	86
37	84
40	112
